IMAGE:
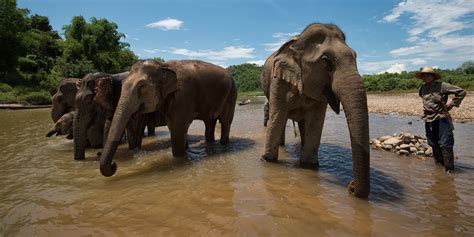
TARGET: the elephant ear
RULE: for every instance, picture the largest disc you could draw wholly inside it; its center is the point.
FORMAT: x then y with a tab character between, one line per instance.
287	65
169	81
104	93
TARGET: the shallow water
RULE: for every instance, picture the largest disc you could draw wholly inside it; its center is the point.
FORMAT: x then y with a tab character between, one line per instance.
228	190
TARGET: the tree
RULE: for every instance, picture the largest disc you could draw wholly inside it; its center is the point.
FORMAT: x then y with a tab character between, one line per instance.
247	76
94	46
12	25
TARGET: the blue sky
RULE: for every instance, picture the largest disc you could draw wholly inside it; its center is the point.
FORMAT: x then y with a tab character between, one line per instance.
388	35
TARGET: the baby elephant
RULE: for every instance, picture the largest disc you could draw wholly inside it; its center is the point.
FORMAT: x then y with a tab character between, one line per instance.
63	126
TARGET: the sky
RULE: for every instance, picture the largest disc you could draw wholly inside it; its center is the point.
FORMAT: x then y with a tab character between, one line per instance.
388	35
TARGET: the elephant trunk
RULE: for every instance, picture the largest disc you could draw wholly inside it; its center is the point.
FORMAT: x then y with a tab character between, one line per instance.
58	110
121	117
80	126
351	92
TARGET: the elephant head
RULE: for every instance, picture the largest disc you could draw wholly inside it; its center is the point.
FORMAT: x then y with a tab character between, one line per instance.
320	65
147	87
63	126
63	100
94	97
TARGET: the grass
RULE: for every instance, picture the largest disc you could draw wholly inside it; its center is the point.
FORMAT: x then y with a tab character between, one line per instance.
23	95
251	93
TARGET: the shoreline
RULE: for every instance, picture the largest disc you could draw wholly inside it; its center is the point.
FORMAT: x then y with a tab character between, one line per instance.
380	103
21	106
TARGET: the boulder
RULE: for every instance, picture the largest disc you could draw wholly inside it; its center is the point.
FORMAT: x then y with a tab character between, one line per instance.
392	141
384	138
429	152
419	153
404	147
403	152
387	147
413	150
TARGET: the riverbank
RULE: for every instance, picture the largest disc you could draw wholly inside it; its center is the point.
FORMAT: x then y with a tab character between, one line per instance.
20	106
411	104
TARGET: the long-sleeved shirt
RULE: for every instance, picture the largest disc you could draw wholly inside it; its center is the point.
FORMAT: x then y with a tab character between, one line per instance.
435	97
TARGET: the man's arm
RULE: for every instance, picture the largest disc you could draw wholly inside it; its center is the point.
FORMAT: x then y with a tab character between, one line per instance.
458	93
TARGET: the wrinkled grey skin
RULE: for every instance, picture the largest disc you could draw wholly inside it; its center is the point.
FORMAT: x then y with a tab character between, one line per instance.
95	103
63	126
183	91
312	70
63	100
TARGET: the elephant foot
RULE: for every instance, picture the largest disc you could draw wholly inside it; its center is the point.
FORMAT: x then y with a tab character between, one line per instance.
224	141
178	153
210	140
269	159
358	193
309	165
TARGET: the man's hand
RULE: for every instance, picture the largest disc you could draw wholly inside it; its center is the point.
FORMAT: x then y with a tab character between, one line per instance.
449	106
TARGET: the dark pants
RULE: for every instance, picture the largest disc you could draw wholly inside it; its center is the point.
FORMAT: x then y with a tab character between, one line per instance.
439	133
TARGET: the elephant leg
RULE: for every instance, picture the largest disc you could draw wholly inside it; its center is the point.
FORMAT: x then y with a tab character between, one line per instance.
226	119
178	139
282	136
302	132
278	115
210	129
150	124
95	134
313	125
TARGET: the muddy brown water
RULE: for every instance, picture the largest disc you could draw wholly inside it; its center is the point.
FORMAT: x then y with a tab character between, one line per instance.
228	190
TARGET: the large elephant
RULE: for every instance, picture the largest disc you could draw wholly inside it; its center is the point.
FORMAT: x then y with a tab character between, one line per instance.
309	71
63	99
182	91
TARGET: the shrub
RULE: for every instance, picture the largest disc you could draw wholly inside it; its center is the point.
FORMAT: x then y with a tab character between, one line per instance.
5	88
36	97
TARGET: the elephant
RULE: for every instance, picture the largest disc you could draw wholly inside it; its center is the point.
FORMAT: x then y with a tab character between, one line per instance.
183	91
63	126
96	100
63	99
308	72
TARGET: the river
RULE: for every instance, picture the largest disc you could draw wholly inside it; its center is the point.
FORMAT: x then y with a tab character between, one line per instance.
228	190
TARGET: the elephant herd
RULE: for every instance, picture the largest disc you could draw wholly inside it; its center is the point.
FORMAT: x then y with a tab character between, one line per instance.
308	72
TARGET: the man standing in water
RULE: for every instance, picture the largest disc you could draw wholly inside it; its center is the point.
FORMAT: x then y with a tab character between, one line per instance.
438	122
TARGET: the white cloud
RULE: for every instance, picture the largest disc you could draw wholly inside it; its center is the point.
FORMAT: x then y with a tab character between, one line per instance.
396	68
166	24
436	29
227	53
282	38
258	62
394	65
418	61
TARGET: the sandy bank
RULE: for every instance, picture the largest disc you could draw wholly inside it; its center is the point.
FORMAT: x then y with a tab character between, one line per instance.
410	104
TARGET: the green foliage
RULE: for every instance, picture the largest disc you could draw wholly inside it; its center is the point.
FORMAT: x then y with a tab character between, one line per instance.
34	58
247	76
406	80
94	46
36	98
13	23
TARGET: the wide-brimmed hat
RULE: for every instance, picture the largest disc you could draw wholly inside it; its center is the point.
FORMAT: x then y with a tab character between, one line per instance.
427	70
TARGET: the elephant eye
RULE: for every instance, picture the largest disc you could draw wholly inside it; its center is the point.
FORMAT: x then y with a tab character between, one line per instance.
327	63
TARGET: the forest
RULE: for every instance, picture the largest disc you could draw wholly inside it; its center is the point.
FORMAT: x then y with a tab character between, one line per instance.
34	58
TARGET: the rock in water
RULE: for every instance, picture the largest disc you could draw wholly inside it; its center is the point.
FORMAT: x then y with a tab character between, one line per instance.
392	141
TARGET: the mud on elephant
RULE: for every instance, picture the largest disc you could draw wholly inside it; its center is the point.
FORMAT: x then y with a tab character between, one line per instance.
310	71
182	91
